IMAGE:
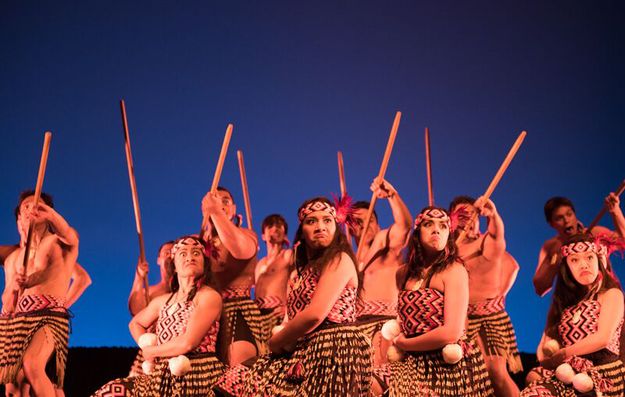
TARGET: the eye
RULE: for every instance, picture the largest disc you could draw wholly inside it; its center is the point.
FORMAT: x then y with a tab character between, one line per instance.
427	223
589	257
327	220
310	221
444	226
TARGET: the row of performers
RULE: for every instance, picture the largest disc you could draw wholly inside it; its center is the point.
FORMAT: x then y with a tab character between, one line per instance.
417	314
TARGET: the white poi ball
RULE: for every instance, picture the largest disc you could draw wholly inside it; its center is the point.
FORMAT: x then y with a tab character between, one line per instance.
147	367
583	383
147	339
390	329
551	347
565	373
277	329
394	353
452	353
180	365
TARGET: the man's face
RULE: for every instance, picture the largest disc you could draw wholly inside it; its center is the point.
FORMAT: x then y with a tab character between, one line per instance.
274	233
564	220
227	204
360	216
164	255
24	214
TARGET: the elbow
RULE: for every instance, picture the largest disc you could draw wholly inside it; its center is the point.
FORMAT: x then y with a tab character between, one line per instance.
539	287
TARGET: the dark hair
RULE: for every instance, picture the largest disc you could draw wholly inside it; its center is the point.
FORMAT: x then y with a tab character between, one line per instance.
274	219
26	194
569	292
554	203
164	244
325	256
223	189
415	259
365	206
460	200
205	279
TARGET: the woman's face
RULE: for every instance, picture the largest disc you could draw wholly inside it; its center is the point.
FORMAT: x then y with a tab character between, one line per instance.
584	267
434	234
318	229
189	261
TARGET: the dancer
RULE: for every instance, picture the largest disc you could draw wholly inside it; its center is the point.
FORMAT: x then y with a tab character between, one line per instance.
235	248
583	327
484	256
432	308
272	273
39	325
187	322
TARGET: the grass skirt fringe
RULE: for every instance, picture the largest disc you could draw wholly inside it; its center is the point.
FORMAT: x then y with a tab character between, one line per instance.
268	320
334	361
550	386
16	334
497	334
198	382
428	370
236	315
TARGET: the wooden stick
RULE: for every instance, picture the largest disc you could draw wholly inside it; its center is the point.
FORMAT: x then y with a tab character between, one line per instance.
246	193
385	160
428	167
28	254
343	186
220	166
604	209
496	179
135	197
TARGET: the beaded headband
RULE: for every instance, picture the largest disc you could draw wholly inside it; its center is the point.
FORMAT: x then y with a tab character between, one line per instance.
316	206
186	242
583	246
431	214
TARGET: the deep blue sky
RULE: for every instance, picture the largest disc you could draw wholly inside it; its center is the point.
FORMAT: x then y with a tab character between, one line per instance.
301	81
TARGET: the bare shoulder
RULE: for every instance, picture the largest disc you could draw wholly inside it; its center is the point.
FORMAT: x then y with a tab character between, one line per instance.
601	230
456	269
207	293
287	256
613	294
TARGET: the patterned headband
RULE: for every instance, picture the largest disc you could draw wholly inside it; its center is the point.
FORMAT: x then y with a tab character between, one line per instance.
431	214
186	242
316	206
583	246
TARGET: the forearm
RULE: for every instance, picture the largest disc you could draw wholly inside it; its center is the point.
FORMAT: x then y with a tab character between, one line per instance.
619	221
296	328
63	230
35	278
175	347
401	214
496	228
543	278
136	330
590	344
240	245
433	340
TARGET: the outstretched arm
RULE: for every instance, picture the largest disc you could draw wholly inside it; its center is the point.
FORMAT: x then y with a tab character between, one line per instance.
398	233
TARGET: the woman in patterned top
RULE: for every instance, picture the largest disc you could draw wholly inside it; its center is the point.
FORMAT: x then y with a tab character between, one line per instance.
583	326
187	322
432	311
319	352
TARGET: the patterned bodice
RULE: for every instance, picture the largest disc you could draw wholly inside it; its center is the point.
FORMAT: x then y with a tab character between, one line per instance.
580	320
420	311
172	322
302	288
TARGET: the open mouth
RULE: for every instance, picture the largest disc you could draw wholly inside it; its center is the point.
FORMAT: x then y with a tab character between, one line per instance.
569	230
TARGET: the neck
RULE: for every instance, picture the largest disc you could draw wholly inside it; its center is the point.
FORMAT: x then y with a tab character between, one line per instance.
186	283
274	249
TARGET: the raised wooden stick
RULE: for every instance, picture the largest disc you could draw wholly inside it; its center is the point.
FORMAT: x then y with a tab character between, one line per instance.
28	254
385	160
246	193
428	167
343	186
135	196
604	209
220	166
496	179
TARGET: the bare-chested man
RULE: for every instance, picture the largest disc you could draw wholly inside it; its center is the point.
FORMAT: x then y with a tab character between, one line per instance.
39	320
560	215
136	300
379	260
240	337
272	273
484	256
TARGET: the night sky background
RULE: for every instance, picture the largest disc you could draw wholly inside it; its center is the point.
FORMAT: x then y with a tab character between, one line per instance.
299	81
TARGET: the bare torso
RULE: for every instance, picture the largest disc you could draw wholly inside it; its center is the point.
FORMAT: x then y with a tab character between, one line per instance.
230	272
485	275
379	276
272	275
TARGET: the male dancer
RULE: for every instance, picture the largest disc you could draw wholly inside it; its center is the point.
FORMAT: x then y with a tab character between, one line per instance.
272	273
40	322
235	248
489	323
